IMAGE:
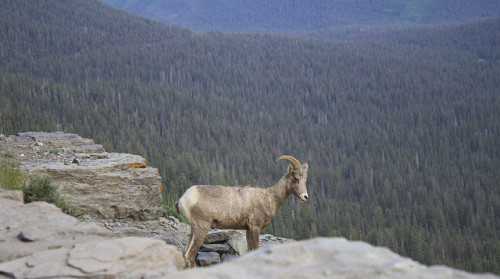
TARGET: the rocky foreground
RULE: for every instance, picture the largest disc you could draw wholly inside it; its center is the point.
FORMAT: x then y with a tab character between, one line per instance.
39	241
120	232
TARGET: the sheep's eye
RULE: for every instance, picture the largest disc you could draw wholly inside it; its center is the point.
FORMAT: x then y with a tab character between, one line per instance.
295	180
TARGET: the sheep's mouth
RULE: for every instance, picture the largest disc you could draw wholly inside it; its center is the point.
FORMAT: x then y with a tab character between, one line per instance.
303	197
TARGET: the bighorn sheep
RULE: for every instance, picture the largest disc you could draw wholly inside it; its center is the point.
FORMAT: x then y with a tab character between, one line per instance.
248	208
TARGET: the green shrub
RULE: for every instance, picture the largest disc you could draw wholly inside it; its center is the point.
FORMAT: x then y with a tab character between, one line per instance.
11	177
49	149
41	189
169	201
10	152
7	152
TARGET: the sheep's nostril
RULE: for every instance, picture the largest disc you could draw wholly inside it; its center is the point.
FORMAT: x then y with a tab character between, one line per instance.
305	197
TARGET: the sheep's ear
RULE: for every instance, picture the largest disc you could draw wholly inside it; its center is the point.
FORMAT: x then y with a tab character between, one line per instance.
290	168
305	167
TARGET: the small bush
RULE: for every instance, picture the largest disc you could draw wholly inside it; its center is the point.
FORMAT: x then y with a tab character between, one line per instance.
169	201
41	189
51	150
11	177
10	152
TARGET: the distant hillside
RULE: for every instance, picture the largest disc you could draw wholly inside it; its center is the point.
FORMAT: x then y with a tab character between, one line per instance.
400	127
305	15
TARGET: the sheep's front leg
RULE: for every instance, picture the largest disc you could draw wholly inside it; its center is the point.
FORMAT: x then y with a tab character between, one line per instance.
253	238
191	251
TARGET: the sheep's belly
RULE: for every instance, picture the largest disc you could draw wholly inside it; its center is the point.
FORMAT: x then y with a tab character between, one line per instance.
236	224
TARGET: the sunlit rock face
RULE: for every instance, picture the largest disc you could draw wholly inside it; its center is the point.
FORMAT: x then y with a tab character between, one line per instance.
96	183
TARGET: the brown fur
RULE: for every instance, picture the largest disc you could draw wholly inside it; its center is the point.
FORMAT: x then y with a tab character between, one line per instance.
247	208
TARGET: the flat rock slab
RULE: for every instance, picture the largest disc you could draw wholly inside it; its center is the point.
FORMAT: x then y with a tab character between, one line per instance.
218	236
129	257
37	240
57	139
12	195
27	228
219	248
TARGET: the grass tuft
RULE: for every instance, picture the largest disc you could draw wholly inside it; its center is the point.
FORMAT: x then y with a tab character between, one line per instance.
169	201
41	189
11	177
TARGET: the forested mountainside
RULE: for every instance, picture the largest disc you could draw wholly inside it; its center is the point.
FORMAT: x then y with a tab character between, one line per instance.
296	16
400	132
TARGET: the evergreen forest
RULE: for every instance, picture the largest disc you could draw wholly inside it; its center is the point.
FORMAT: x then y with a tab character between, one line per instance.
400	126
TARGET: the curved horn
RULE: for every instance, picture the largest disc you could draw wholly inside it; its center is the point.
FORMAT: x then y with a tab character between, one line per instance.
295	162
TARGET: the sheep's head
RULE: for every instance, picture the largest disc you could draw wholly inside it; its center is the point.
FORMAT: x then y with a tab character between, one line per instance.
297	174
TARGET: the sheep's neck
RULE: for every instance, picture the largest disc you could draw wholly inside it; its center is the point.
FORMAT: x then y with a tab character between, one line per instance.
280	192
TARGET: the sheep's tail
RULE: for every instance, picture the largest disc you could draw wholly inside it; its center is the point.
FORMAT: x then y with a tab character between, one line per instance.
177	206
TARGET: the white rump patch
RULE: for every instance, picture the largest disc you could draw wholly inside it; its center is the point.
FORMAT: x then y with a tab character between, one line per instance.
190	198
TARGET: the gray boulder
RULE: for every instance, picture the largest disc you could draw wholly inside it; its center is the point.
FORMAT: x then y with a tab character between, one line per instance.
218	236
37	240
228	258
27	228
208	258
219	248
324	258
129	257
238	243
11	195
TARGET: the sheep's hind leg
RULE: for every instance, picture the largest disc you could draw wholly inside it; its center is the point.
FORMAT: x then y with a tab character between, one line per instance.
189	264
196	240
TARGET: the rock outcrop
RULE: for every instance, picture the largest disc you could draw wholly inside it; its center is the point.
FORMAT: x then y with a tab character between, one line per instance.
37	240
96	183
323	258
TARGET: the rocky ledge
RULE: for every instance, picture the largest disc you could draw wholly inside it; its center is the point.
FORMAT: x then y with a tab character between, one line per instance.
96	183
